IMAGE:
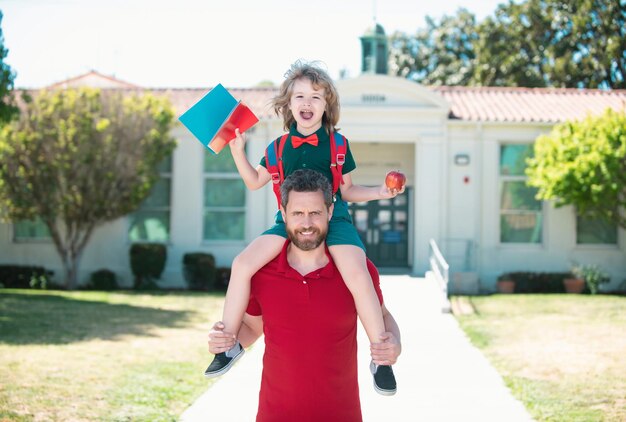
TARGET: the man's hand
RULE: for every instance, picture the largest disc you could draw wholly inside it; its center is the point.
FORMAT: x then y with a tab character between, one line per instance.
387	351
220	341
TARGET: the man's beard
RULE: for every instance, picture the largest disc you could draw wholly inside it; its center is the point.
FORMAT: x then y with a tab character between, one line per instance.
311	242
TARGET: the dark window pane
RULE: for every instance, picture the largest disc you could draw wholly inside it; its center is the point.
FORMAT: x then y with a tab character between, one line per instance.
224	225
521	228
518	196
220	163
224	193
31	229
595	231
149	226
513	159
166	165
160	194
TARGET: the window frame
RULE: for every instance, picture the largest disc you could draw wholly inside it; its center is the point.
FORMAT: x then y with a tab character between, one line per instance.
43	239
504	178
615	245
225	175
162	175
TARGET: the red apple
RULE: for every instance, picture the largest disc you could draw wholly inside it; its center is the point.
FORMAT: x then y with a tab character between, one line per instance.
395	179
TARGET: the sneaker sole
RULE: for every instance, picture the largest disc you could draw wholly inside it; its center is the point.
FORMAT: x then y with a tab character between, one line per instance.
226	368
380	390
384	392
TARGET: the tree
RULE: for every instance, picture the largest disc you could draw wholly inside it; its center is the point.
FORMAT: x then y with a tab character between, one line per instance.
534	43
513	46
7	108
599	27
79	158
553	43
441	54
583	164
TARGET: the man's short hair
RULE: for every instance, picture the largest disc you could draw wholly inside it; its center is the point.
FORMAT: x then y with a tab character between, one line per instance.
305	180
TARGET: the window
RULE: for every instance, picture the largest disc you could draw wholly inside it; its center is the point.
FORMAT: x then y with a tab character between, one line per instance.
595	231
151	222
224	198
520	213
30	230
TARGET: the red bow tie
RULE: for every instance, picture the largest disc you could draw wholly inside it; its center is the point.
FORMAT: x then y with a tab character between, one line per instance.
296	141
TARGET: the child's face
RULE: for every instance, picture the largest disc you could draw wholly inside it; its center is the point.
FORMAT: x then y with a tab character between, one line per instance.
307	104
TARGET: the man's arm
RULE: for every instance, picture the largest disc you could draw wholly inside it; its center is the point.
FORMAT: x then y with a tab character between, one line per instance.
387	351
220	341
250	330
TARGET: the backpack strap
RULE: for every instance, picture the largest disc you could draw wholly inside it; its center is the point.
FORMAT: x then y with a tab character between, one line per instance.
274	163
338	147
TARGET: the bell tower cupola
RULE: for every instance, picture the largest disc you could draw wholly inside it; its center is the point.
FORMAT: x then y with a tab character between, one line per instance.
375	51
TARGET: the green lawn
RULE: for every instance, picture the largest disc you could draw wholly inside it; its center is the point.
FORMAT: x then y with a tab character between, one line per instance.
119	356
563	356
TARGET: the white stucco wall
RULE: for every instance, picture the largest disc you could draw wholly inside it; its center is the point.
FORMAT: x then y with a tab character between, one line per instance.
391	123
474	212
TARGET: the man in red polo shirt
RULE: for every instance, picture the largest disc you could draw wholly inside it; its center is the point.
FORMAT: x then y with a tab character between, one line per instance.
308	317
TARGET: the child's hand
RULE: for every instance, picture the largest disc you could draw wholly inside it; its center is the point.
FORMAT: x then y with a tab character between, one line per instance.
238	144
386	193
220	341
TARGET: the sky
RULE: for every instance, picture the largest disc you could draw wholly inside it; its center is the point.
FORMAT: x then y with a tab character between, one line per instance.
199	43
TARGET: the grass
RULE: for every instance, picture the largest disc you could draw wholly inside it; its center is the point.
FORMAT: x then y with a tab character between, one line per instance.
563	356
85	356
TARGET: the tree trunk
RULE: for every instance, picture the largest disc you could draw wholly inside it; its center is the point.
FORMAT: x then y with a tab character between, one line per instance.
70	248
71	271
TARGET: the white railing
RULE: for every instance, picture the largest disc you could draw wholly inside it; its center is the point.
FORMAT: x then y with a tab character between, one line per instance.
441	270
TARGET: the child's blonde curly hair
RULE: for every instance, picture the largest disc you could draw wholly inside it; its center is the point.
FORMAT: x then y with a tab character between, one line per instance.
320	79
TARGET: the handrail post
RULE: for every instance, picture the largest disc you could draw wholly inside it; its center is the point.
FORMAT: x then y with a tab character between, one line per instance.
441	269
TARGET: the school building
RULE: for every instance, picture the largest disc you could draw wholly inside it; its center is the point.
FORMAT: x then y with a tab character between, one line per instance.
462	150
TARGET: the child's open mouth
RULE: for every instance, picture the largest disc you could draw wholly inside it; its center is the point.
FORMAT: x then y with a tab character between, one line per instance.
306	115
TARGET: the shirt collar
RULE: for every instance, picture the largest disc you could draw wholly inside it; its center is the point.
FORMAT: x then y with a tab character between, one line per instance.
327	271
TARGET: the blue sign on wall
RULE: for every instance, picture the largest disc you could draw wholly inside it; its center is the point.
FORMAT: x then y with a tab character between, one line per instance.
392	236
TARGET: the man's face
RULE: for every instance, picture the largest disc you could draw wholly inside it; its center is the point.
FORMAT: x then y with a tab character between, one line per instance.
306	219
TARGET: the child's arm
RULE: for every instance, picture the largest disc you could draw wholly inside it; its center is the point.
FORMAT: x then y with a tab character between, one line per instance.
358	193
387	351
254	178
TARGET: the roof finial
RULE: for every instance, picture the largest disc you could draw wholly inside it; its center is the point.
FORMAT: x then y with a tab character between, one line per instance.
374	10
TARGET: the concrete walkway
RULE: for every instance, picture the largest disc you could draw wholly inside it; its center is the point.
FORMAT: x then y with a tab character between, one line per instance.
441	376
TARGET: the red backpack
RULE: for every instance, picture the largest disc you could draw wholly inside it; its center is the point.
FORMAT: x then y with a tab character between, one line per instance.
274	161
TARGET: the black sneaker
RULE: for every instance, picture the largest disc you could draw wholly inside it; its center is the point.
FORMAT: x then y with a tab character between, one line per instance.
384	380
222	363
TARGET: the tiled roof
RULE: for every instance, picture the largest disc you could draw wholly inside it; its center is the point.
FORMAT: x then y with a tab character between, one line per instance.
258	99
479	104
549	105
93	79
475	104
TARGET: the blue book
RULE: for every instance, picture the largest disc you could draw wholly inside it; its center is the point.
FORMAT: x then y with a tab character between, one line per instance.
214	118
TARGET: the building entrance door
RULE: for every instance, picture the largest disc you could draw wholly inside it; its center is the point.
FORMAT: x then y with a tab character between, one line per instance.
384	229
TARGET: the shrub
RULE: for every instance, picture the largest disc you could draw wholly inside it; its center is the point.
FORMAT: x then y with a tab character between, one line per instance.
103	280
147	262
535	282
25	276
593	276
223	277
199	271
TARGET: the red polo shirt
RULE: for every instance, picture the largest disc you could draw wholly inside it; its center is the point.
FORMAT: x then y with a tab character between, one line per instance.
310	360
